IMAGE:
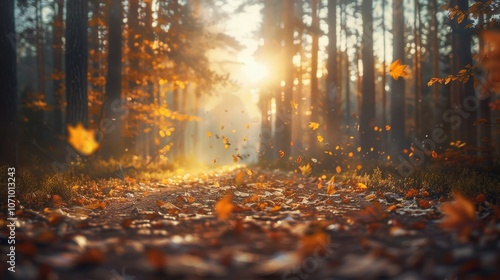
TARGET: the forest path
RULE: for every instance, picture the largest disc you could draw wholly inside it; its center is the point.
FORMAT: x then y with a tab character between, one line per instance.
275	225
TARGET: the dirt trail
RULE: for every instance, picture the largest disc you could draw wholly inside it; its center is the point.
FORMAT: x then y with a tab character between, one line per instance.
280	226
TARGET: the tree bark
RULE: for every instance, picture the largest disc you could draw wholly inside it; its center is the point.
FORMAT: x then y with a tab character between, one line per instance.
112	140
367	121
398	104
57	52
8	84
333	97
76	62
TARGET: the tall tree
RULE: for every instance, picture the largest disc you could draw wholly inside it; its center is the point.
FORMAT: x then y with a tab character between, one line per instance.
57	57
76	62
40	53
316	108
384	70
462	56
398	106
367	121
112	140
333	96
283	126
434	38
8	84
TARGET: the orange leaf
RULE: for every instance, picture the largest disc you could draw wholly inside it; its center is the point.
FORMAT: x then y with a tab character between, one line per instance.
224	207
57	201
411	193
156	258
82	140
398	70
459	215
424	203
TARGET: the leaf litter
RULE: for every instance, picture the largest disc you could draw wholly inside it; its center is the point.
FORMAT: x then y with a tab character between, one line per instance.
251	224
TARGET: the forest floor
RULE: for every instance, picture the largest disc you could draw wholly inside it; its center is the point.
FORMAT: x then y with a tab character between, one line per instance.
255	224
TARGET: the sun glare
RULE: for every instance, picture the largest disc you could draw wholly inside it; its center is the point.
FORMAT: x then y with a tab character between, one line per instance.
254	71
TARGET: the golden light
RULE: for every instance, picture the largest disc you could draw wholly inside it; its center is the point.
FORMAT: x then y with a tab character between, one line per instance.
255	72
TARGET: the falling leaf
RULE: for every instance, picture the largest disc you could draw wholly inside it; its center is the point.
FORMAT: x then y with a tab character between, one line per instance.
434	154
224	207
313	125
398	70
282	153
338	169
82	140
294	104
305	169
320	138
209	134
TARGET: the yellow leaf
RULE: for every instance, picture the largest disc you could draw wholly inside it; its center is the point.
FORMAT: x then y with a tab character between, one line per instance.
294	104
398	70
239	178
313	125
82	140
330	189
361	186
305	169
224	207
209	134
320	138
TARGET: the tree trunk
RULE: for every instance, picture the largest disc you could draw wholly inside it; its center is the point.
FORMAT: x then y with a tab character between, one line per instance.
462	51
40	54
57	50
398	104
76	62
333	98
112	144
283	126
384	71
8	84
434	38
316	108
367	121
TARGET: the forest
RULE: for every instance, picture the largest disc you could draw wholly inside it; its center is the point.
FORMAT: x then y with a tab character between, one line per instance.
258	139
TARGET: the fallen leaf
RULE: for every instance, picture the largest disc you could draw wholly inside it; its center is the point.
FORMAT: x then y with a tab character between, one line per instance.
238	180
156	258
361	186
424	203
459	216
57	201
411	193
224	207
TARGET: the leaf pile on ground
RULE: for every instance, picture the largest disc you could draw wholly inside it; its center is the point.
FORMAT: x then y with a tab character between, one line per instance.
255	224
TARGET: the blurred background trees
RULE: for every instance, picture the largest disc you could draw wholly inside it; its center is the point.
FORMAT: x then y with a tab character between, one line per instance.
141	74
